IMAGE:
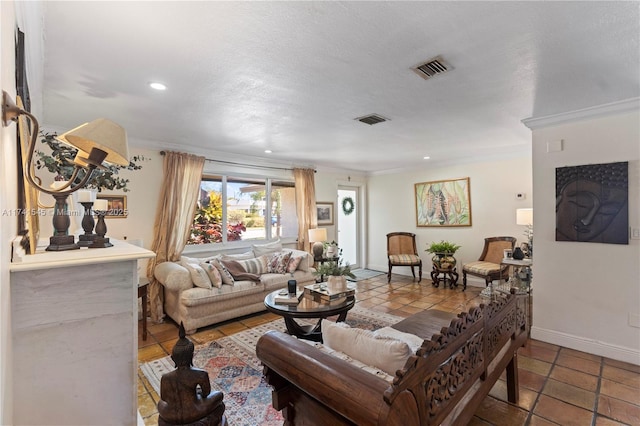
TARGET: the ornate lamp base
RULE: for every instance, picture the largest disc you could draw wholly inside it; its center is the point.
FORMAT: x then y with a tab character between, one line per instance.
61	243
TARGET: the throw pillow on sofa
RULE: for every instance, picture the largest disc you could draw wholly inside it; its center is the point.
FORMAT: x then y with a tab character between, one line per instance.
256	265
384	353
198	275
226	276
237	271
213	273
294	262
279	262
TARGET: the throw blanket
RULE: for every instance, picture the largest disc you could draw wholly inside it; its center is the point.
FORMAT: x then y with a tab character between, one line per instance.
237	271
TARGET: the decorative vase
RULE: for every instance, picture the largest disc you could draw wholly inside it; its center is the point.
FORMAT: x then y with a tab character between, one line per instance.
336	283
331	251
444	261
518	254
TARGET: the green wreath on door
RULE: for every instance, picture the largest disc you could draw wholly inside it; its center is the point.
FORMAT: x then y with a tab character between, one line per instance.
348	205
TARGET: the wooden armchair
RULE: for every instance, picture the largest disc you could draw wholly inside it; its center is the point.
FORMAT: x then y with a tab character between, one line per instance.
401	251
488	265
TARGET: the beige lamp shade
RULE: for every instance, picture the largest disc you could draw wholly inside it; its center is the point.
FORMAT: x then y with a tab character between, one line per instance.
317	235
102	134
524	216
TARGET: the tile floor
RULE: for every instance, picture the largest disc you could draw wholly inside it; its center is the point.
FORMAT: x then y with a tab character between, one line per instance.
558	386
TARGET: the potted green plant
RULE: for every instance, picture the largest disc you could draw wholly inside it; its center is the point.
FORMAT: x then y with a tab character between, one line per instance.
336	273
443	252
331	249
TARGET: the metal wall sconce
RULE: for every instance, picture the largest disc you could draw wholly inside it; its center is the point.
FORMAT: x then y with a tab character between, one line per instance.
100	141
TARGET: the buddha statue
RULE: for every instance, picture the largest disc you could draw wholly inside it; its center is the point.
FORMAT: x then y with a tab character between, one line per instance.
185	393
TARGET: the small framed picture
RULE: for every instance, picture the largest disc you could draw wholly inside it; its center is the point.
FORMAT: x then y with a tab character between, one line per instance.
508	254
325	213
117	205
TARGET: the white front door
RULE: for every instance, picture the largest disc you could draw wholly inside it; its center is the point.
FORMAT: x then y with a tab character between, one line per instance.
348	213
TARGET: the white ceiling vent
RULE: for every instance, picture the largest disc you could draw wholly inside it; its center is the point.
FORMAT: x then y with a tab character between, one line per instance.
372	119
432	68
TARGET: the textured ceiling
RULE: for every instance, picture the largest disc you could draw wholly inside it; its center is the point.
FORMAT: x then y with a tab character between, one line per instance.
243	77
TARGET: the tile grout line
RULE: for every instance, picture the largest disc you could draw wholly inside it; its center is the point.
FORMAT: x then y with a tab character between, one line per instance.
546	378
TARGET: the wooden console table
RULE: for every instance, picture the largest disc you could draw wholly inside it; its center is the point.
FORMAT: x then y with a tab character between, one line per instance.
75	336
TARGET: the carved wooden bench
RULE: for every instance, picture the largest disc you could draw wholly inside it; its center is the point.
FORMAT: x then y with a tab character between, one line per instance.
443	383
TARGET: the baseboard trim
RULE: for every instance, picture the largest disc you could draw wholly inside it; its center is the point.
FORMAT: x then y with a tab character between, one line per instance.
406	271
583	344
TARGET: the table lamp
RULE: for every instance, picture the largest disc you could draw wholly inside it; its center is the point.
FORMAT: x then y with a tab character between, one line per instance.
99	141
317	236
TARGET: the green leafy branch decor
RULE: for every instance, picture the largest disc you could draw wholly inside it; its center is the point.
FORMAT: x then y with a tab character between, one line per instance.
60	162
335	269
348	205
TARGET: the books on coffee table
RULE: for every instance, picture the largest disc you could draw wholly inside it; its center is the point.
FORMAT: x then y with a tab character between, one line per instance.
322	293
283	297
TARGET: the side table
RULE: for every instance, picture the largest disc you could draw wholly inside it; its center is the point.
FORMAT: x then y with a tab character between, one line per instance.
520	279
143	292
321	260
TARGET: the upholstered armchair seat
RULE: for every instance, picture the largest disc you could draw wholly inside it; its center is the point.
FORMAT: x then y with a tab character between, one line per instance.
404	259
488	265
402	251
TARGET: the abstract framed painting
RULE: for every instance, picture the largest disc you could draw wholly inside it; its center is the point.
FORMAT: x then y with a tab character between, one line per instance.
443	203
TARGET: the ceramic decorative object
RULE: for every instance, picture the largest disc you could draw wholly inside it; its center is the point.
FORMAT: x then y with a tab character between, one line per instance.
518	254
337	283
444	261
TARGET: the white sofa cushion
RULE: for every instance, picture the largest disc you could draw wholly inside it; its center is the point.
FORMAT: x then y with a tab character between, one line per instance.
199	296
387	354
213	273
173	276
268	248
239	256
198	275
412	340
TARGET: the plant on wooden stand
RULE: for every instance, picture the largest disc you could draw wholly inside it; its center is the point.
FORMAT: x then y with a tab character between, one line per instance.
443	253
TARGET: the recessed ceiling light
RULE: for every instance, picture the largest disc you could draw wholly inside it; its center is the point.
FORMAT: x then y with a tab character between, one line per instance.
426	157
158	86
267	151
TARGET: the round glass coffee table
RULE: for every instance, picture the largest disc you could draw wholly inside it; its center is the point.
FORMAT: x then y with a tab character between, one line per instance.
307	308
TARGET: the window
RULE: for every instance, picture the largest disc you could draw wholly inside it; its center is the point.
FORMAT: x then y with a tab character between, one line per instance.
254	209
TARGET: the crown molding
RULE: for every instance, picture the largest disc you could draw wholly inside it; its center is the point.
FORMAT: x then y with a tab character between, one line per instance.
583	114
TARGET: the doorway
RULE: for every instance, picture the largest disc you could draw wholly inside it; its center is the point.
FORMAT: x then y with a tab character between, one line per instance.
348	214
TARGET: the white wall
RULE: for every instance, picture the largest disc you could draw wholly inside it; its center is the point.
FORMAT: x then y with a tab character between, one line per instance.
8	224
584	292
28	17
493	189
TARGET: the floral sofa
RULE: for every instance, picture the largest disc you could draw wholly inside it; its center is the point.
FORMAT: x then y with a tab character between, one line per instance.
202	291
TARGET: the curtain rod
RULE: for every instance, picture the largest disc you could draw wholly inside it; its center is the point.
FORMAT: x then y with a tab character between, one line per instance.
245	165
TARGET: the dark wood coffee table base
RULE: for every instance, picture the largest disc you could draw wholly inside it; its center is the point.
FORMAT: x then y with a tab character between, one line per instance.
307	308
308	332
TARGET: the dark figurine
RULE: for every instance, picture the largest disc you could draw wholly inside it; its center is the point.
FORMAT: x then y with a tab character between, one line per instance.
185	393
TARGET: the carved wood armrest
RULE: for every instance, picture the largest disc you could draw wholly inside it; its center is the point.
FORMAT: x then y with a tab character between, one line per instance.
347	390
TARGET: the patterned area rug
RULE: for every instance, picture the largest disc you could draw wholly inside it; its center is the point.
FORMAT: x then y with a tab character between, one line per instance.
364	274
235	370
